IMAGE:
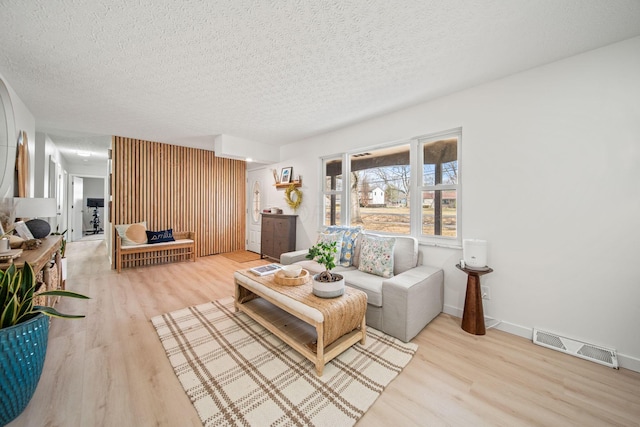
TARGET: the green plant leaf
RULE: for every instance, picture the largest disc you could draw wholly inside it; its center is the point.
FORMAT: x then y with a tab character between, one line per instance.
17	292
5	279
62	293
324	254
8	317
24	308
52	312
28	279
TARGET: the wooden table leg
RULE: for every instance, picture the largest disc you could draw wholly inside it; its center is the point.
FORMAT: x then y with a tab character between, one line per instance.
320	349
473	315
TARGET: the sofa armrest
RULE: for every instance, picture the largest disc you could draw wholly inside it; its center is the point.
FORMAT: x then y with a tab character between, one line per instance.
412	299
293	257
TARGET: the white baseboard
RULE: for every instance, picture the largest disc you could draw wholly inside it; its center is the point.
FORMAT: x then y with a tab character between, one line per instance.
627	362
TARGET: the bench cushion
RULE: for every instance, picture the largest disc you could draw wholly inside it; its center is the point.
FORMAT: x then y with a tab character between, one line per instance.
159	246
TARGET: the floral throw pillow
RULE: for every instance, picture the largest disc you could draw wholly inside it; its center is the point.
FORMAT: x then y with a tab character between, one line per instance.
348	242
376	255
330	238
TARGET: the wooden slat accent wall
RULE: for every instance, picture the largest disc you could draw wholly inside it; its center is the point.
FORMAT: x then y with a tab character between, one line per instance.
183	188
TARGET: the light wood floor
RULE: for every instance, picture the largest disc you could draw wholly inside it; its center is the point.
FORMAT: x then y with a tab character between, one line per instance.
110	368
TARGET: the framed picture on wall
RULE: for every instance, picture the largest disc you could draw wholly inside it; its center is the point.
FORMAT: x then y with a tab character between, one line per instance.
285	176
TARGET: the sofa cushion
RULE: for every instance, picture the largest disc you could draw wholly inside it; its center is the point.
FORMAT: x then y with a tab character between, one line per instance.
348	242
314	267
405	254
368	283
311	266
376	255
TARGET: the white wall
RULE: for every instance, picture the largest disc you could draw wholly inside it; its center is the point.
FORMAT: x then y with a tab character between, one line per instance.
550	166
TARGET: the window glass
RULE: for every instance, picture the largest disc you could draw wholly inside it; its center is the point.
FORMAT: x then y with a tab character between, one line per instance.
333	175
380	185
440	162
439	213
332	210
332	189
439	186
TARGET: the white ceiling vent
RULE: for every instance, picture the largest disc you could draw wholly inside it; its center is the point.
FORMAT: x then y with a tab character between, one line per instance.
604	356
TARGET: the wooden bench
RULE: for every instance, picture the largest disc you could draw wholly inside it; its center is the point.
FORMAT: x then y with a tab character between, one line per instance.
182	249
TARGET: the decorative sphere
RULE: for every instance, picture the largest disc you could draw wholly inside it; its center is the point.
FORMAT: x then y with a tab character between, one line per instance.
39	228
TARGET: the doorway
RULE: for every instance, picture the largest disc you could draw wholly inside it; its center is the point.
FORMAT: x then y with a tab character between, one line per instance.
86	213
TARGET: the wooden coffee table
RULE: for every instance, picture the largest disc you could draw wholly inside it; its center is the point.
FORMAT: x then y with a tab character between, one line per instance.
317	328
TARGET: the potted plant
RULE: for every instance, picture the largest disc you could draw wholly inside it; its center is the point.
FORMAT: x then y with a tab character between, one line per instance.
24	329
326	284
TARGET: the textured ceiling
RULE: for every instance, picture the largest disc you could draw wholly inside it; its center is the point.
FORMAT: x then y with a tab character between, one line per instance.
276	71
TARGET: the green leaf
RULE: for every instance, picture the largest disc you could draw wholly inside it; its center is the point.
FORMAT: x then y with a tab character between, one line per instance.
8	317
62	293
25	308
28	279
52	312
4	288
17	292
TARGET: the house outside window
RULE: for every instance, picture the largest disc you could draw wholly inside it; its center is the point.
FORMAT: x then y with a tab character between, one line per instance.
382	177
407	188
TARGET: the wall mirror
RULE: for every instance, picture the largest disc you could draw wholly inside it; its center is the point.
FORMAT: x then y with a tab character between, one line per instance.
7	137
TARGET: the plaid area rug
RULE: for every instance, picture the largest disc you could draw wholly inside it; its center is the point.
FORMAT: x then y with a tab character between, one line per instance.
237	373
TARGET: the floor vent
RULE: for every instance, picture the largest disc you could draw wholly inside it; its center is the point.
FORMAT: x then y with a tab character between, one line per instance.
604	356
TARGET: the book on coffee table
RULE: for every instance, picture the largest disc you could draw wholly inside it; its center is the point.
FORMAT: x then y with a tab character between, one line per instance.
264	270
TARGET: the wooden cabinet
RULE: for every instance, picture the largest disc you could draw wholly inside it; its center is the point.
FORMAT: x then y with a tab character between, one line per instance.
278	235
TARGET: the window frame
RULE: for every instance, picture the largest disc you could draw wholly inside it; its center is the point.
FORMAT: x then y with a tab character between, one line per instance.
416	160
421	187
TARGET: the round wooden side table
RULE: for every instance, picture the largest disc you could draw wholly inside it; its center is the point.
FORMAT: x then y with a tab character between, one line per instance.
473	315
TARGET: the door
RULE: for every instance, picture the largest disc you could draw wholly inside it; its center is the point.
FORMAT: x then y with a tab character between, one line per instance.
77	208
254	207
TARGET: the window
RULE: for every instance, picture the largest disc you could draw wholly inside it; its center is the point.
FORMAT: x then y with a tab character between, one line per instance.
439	186
409	188
332	191
381	188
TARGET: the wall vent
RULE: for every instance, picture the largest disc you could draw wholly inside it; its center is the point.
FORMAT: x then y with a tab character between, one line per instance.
604	356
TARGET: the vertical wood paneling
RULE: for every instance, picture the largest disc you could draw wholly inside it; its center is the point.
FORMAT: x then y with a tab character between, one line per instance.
183	188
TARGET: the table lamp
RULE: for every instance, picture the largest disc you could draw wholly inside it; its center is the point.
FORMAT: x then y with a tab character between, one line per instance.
36	208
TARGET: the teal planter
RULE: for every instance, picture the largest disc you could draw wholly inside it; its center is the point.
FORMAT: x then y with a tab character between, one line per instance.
22	351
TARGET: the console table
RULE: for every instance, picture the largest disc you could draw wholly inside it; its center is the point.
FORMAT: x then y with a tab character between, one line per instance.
39	259
473	315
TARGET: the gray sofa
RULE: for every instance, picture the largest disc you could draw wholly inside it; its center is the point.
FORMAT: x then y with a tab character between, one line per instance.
400	306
